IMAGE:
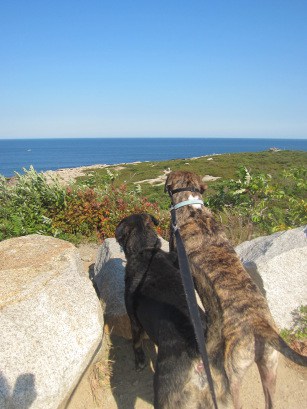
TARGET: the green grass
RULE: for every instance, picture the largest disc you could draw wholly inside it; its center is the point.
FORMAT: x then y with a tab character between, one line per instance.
298	331
223	166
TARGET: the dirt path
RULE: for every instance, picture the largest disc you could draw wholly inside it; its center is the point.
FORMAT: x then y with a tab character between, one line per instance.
112	382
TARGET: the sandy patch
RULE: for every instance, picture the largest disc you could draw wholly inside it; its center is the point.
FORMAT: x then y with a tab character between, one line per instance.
68	175
160	180
208	178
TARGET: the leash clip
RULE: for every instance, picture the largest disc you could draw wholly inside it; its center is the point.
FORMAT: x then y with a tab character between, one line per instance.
175	228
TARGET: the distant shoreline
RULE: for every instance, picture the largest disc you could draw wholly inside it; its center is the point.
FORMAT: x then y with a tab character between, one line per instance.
66	175
55	154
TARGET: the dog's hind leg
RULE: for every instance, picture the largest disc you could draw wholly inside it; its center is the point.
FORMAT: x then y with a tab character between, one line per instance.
267	362
138	334
137	337
239	356
235	392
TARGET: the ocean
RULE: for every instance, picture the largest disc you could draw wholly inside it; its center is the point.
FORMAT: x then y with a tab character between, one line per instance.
52	154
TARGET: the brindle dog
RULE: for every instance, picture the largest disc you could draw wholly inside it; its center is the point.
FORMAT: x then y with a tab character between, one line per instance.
240	327
156	303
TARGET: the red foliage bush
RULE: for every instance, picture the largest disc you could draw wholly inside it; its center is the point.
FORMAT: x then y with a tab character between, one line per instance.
89	212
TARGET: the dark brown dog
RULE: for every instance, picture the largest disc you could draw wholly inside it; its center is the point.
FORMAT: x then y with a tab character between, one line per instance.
156	303
240	327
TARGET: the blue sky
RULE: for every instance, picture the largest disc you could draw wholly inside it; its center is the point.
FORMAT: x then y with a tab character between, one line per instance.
153	68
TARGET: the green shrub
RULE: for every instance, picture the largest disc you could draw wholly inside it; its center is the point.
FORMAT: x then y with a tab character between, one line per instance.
261	201
296	336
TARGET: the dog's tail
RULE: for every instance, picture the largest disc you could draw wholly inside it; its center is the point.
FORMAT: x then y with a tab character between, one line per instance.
275	340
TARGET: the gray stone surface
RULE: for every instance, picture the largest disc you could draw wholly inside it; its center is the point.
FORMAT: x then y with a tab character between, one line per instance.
50	323
278	264
109	273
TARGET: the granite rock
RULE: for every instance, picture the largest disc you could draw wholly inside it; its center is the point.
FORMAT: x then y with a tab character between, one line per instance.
51	322
278	265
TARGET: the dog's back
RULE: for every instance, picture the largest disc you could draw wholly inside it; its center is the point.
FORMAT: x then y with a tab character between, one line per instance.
159	299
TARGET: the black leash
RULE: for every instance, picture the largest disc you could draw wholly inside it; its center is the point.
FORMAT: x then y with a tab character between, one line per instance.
188	286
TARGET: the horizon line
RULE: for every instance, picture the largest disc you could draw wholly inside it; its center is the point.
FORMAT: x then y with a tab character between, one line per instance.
151	137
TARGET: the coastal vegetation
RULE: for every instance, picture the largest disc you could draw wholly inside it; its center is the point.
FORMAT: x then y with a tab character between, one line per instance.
296	336
251	193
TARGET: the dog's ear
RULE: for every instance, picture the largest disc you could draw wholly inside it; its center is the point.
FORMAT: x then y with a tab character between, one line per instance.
202	188
166	187
148	219
168	184
154	220
120	232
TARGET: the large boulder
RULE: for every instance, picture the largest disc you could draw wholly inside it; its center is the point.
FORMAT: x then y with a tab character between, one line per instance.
109	273
278	265
51	322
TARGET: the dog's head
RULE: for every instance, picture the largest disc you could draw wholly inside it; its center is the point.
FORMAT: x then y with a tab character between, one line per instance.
184	179
135	233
